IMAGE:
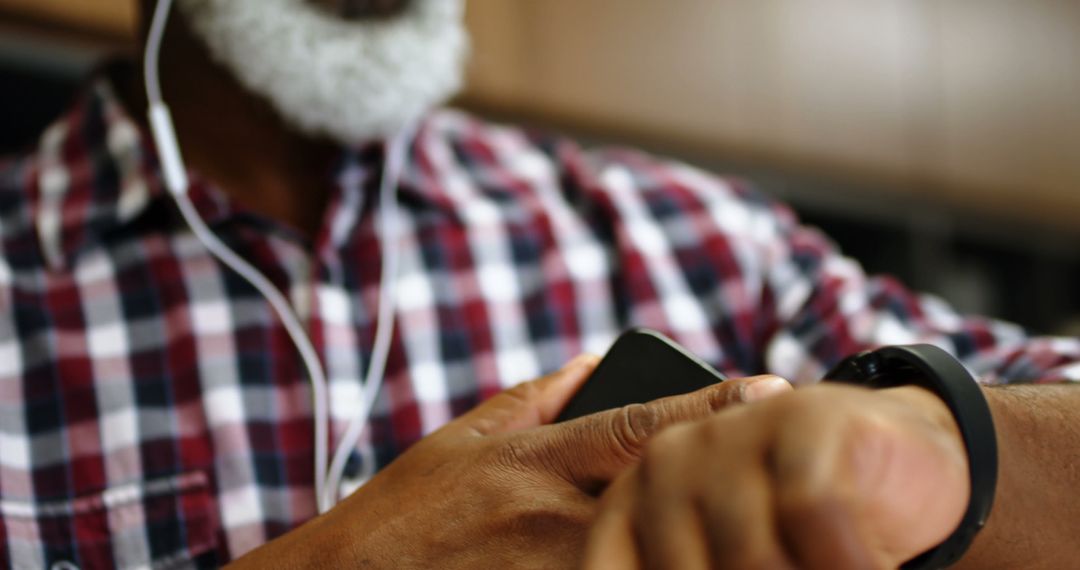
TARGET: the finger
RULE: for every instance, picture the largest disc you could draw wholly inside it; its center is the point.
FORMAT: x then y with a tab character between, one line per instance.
822	534
611	540
737	507
741	526
706	501
816	517
591	451
529	404
668	521
761	387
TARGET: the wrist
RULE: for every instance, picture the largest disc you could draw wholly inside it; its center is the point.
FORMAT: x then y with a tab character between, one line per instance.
318	543
930	408
942	374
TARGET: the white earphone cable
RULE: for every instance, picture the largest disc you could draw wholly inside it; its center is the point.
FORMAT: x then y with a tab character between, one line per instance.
175	177
396	156
288	319
153	50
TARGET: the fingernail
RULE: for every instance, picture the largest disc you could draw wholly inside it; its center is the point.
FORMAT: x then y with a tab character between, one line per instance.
766	387
581	361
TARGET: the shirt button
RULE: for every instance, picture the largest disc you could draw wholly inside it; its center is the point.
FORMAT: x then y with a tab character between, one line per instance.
63	565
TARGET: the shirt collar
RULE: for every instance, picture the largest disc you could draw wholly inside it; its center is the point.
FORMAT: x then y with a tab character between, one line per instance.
96	170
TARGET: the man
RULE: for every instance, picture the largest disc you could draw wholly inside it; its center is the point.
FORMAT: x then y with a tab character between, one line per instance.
156	414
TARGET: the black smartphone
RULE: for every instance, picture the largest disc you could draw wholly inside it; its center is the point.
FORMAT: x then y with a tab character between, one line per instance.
642	365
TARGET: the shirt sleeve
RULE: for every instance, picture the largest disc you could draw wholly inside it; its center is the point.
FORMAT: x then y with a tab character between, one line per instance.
821	307
772	295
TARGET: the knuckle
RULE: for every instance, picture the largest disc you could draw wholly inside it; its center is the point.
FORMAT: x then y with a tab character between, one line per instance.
725	394
524	392
809	505
714	434
632	426
654	463
514	454
663	453
863	432
529	459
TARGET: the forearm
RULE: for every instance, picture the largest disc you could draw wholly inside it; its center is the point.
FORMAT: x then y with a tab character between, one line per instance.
1033	523
316	544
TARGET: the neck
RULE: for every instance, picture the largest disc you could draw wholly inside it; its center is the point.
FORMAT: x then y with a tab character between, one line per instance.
236	140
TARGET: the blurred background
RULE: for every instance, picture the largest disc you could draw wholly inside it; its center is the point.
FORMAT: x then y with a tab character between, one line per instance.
936	140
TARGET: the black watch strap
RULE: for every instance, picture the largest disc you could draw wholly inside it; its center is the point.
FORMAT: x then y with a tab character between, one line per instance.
936	370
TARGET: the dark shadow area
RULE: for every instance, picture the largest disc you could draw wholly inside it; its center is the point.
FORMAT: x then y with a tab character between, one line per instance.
30	100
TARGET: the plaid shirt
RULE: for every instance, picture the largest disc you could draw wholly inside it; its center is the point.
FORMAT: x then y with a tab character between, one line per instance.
153	412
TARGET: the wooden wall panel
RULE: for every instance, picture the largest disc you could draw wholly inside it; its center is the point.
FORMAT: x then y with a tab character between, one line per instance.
112	17
832	78
1010	101
971	101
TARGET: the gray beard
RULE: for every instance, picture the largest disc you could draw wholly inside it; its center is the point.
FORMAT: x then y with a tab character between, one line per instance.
352	81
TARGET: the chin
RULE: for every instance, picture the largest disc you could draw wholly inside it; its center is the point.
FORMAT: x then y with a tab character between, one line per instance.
327	75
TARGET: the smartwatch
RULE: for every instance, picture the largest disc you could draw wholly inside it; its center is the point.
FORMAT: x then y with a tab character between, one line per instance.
936	370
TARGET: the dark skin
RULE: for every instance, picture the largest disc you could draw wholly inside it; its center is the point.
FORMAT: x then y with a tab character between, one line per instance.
235	138
500	486
835	477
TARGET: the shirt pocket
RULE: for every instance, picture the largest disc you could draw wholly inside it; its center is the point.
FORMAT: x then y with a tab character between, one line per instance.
169	522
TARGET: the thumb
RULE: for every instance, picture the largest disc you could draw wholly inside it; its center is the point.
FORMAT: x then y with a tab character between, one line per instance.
529	404
592	450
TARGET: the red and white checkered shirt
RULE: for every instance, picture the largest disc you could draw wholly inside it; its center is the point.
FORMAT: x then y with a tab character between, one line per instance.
152	409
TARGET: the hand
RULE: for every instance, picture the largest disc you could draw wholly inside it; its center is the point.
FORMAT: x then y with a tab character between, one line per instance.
497	487
827	477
